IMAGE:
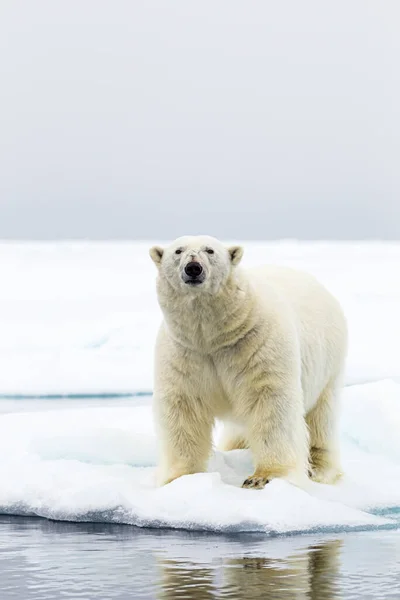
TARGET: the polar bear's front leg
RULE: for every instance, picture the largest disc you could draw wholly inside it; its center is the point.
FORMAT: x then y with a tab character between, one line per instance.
185	428
278	438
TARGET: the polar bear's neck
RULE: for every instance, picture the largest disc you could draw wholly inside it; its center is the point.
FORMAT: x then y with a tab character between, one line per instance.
208	323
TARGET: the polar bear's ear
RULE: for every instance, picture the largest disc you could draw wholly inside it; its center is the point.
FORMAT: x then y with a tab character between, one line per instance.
236	253
156	254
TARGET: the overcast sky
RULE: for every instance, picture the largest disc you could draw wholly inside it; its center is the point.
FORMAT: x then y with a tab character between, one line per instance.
152	119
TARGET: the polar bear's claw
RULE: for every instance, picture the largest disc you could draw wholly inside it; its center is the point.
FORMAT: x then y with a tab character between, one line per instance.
257	483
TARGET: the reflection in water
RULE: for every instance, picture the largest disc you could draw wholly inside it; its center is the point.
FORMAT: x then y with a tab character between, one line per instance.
181	580
324	568
311	574
43	560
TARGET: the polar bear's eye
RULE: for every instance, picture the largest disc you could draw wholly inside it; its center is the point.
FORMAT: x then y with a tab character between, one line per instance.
209	251
179	251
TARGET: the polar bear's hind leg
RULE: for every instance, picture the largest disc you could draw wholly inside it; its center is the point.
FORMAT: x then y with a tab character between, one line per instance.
233	438
322	423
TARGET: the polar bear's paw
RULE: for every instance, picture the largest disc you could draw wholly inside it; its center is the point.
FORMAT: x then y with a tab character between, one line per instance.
256	483
324	466
327	476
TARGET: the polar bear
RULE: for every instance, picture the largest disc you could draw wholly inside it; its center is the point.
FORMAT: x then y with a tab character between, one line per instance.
261	349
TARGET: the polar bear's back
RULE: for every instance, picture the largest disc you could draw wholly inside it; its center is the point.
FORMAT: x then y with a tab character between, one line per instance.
318	318
299	288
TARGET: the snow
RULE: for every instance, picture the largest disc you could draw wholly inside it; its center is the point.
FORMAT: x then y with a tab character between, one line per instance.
81	318
98	464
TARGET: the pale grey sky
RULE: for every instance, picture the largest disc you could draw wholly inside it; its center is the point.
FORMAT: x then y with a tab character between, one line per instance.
241	119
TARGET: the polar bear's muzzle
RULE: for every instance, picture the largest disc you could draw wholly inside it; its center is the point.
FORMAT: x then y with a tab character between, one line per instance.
193	273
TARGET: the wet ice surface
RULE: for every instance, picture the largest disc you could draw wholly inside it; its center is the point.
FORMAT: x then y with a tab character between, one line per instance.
40	559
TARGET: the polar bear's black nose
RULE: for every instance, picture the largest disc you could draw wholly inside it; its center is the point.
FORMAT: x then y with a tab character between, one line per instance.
193	269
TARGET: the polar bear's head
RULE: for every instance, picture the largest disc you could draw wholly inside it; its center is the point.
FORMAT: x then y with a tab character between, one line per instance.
196	263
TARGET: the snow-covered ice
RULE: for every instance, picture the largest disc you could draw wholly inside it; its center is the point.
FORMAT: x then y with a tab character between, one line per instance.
81	318
99	464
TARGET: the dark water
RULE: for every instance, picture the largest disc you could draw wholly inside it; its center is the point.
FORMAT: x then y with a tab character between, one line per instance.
46	560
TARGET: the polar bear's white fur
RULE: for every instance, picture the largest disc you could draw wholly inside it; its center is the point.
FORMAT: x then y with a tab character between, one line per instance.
261	349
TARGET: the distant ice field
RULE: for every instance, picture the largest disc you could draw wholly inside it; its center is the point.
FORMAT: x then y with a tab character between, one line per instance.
81	318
